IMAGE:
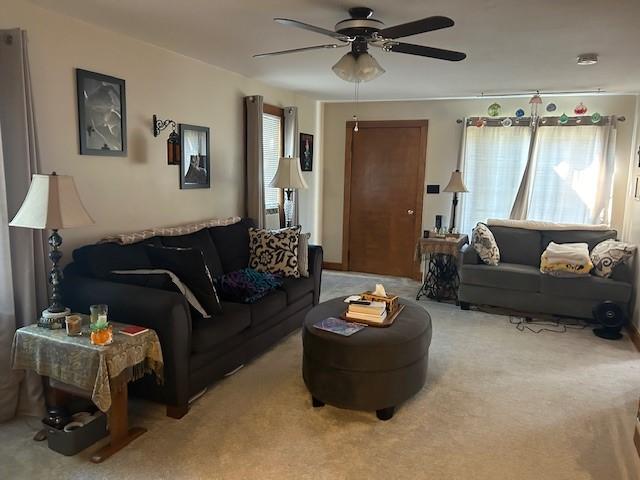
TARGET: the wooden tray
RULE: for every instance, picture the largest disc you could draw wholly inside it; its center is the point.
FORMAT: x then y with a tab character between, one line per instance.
387	321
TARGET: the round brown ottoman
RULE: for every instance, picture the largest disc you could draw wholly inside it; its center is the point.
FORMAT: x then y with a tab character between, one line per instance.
373	369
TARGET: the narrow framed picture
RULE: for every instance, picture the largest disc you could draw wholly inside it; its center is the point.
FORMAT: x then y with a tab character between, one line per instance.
195	171
102	114
306	152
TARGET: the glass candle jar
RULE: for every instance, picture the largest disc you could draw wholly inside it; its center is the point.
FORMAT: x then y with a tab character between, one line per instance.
98	311
74	325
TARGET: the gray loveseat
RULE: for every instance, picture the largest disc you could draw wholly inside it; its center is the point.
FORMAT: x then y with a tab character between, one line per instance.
516	282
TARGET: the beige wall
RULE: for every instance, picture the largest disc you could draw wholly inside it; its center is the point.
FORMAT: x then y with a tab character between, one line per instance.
141	190
442	149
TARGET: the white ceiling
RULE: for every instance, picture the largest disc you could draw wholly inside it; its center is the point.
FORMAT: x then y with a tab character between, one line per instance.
512	45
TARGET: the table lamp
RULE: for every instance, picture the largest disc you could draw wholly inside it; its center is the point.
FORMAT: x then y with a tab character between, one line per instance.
455	185
52	203
289	177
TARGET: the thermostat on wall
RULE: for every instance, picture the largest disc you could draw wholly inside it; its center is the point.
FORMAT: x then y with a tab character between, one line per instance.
433	188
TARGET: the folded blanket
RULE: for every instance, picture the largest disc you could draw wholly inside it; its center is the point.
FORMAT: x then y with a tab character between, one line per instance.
566	259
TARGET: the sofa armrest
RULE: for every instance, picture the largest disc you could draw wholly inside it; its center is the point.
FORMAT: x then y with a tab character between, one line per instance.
165	312
315	270
469	255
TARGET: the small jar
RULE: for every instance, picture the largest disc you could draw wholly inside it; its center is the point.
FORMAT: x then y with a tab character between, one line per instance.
74	325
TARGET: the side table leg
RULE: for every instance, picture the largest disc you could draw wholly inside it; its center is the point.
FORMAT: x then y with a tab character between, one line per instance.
121	434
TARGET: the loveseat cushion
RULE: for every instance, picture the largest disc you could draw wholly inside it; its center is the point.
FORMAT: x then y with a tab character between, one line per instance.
509	276
209	332
588	288
267	307
101	259
518	245
232	243
200	240
590	237
296	288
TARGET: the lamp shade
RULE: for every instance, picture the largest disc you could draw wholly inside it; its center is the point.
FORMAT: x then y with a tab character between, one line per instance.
288	174
362	68
52	202
456	184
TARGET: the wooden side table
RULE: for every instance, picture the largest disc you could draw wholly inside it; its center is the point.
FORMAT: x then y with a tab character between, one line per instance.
440	255
102	372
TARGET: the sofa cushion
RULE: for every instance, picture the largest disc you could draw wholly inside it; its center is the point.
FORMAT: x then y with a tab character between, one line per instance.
508	276
189	266
518	245
232	243
208	332
200	240
267	307
587	288
296	288
590	237
275	251
101	259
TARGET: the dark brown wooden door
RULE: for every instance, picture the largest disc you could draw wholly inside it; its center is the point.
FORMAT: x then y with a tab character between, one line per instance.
384	184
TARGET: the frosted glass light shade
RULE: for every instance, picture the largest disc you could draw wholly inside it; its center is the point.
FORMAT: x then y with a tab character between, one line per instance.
361	69
456	184
289	174
52	202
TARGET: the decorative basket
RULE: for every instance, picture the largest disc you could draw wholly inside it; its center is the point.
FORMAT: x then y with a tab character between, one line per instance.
390	300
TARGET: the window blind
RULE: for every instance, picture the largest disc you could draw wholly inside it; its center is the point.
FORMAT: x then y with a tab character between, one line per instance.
271	152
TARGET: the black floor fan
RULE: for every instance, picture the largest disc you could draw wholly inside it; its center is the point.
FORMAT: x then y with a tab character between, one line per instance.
611	319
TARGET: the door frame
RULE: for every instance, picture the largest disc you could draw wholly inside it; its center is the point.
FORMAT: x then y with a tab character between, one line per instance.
346	213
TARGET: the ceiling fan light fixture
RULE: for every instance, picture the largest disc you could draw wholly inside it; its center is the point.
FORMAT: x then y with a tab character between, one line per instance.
364	68
345	68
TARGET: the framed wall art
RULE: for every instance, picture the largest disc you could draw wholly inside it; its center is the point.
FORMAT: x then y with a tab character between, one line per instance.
102	114
195	171
306	152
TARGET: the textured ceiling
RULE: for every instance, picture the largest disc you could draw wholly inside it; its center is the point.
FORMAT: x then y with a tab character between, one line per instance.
511	45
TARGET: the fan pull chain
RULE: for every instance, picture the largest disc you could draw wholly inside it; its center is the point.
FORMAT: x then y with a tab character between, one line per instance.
356	93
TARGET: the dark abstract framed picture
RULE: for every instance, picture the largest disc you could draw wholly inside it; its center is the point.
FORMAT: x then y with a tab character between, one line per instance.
195	171
102	114
306	152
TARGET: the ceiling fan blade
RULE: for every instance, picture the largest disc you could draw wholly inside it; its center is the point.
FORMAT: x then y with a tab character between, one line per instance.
297	50
311	28
418	26
423	51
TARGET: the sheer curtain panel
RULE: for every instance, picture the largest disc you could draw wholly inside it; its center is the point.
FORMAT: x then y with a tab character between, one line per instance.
23	290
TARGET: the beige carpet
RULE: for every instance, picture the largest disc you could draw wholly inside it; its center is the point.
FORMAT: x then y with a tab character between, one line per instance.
498	404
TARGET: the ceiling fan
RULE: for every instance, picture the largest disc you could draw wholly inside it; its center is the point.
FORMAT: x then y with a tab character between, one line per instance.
361	31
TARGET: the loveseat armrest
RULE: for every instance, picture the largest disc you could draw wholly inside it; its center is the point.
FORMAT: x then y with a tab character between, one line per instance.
315	270
163	311
469	255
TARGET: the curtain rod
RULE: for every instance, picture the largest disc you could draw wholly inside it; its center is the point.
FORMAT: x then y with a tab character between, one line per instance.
620	118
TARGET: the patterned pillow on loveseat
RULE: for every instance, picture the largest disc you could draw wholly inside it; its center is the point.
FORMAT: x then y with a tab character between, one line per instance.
275	251
246	285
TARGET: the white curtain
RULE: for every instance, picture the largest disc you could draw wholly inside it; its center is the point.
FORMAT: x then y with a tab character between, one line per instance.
23	292
545	172
494	162
573	168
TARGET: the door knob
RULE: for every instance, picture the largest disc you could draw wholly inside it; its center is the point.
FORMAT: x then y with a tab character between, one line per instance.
410	212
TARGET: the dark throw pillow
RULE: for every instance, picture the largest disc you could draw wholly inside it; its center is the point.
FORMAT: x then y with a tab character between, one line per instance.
188	264
247	285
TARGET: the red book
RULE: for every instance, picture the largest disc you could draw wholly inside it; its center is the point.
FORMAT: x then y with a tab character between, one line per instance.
133	330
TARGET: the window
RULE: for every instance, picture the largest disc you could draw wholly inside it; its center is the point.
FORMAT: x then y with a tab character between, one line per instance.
494	163
272	124
564	173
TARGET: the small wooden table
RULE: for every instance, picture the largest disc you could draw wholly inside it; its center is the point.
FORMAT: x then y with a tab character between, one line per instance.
440	266
102	372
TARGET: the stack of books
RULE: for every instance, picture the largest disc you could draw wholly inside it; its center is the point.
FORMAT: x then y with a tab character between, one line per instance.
375	312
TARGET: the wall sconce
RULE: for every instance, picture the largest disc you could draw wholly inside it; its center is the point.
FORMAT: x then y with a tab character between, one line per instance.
173	142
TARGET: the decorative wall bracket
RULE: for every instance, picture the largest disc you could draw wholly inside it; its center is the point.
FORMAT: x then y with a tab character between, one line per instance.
160	125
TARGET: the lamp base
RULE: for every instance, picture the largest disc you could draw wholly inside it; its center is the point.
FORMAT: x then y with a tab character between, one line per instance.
53	320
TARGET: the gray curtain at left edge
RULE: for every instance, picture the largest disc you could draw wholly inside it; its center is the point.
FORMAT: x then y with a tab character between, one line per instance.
23	288
292	149
254	183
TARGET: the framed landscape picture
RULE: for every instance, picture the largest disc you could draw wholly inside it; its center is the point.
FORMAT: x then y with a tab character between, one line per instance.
102	114
195	171
306	152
